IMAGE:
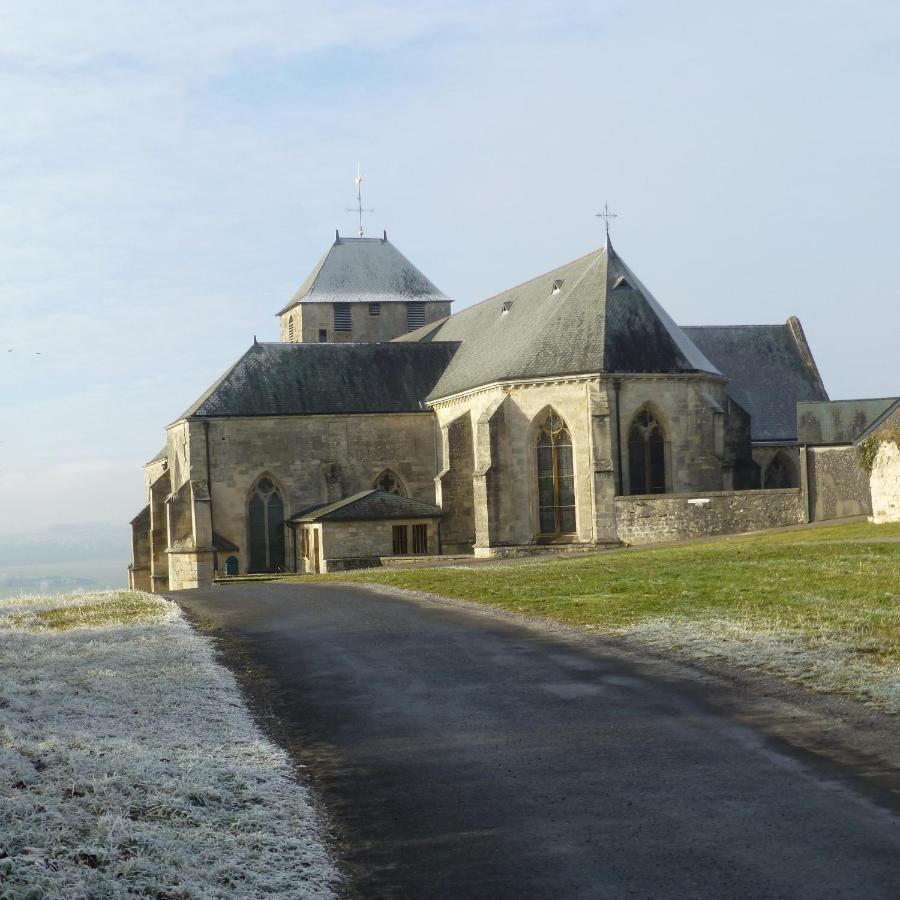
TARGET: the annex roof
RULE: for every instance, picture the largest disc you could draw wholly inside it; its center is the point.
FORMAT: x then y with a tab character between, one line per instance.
316	379
365	270
590	315
371	504
767	371
840	421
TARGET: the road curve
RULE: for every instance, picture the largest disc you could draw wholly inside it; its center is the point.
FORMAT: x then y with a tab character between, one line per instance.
459	755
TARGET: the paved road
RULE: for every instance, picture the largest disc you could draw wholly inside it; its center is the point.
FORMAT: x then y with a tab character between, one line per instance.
459	755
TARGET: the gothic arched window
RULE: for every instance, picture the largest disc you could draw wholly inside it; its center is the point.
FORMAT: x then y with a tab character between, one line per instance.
779	473
556	478
646	455
265	527
390	482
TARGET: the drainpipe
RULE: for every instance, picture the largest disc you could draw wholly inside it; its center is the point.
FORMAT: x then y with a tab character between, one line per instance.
212	526
617	384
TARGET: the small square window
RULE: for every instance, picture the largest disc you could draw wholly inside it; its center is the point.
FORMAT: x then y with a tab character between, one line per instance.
401	545
374	309
323	336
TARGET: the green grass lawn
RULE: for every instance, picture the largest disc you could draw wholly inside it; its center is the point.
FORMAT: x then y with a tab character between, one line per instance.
821	605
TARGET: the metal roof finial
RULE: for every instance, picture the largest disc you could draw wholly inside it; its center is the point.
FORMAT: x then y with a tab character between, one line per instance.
359	207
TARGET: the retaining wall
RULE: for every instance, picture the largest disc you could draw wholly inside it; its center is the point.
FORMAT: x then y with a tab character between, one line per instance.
647	519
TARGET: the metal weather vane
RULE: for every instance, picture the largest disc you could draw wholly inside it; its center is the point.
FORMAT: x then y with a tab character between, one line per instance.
359	207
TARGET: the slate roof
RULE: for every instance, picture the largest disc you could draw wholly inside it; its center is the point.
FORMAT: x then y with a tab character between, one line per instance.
142	517
365	270
767	374
839	421
590	315
313	379
160	455
371	504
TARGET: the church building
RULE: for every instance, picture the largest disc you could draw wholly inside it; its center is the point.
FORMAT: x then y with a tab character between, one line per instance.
566	414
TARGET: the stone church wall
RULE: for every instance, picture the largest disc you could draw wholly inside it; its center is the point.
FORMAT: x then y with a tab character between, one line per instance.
505	421
885	483
838	484
296	452
653	518
693	413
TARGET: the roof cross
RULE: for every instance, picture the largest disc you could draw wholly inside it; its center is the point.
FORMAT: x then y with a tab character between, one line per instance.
359	207
606	215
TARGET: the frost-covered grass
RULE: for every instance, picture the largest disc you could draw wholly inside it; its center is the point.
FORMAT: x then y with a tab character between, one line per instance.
129	766
820	606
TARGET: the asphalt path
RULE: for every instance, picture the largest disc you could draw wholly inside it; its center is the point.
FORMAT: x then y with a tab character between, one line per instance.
460	755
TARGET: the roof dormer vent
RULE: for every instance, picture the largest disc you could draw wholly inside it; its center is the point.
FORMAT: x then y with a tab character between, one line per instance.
557	284
507	306
622	284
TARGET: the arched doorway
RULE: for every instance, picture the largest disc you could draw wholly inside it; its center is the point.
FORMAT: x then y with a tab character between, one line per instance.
646	455
265	527
556	478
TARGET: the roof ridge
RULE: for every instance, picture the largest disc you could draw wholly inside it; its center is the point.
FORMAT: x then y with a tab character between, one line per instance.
748	325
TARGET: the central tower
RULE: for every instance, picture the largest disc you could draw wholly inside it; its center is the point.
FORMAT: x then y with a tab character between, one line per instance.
362	290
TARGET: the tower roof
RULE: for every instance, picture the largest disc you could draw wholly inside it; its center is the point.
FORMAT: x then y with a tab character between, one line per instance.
590	315
365	270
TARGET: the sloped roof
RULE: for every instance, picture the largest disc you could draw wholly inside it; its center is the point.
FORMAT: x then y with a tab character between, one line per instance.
313	379
371	504
160	455
590	315
767	374
367	270
840	421
142	517
890	418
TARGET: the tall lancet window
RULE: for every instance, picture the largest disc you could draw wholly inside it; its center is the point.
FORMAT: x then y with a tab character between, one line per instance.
646	455
265	527
556	478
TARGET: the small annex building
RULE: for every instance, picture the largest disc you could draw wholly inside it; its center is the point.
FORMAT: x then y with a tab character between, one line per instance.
567	413
850	451
359	531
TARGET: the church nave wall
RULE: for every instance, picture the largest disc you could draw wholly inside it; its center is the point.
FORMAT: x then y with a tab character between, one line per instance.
301	454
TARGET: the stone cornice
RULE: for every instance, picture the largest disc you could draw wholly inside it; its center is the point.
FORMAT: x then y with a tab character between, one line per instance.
513	383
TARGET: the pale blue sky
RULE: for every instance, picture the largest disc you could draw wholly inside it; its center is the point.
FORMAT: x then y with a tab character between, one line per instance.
170	172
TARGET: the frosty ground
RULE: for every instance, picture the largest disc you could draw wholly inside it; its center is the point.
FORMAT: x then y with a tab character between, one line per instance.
130	766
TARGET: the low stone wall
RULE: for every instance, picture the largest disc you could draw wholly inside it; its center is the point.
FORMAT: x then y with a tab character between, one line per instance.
652	518
838	484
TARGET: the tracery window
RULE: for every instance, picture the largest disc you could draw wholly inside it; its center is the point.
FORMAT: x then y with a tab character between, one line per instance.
265	527
646	455
390	482
556	478
779	473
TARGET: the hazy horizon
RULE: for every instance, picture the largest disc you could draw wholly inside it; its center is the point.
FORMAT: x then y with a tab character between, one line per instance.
172	173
